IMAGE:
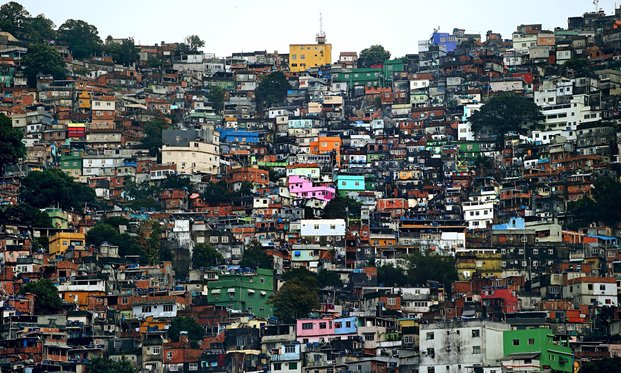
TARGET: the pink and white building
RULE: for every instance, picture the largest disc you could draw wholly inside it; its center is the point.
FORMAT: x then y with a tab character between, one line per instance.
301	187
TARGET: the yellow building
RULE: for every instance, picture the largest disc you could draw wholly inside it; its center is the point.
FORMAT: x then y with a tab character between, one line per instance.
305	56
485	264
60	242
84	100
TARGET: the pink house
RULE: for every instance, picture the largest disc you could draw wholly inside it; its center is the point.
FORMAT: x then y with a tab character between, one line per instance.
323	330
303	188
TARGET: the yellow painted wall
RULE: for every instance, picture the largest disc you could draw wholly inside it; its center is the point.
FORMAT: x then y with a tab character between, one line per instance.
60	242
304	56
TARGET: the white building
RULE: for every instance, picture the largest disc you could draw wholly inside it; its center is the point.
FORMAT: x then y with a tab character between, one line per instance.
192	154
601	291
155	309
322	227
478	215
458	346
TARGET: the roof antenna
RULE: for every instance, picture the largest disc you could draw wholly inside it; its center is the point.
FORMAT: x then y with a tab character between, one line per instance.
321	36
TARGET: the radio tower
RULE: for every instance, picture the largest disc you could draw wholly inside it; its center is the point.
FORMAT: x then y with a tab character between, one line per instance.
321	36
596	3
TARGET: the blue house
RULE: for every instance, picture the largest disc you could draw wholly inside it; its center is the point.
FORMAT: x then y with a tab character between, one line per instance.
447	42
232	135
346	325
349	183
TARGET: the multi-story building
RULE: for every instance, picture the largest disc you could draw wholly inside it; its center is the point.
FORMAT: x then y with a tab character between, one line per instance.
305	56
192	151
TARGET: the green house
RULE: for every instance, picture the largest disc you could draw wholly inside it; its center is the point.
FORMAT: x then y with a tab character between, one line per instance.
368	76
244	292
527	346
71	163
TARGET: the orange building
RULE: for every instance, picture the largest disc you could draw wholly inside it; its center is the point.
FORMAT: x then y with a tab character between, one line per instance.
327	145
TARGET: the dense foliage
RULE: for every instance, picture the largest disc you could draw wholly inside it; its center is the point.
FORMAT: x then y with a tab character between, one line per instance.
101	365
205	255
186	324
54	188
272	90
256	257
601	205
374	55
47	300
11	146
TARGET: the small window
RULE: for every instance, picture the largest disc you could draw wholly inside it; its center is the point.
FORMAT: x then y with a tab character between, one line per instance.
531	341
476	333
476	349
516	342
430	336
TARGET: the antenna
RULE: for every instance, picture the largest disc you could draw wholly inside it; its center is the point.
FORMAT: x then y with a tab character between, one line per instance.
321	36
596	3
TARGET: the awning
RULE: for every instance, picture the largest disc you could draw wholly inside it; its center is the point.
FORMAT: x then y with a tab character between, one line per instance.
263	293
231	290
215	291
250	291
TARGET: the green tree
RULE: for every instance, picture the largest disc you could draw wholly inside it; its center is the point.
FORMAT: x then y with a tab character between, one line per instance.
177	182
255	257
272	90
610	365
81	38
294	300
11	146
217	193
23	214
150	240
47	300
579	66
101	233
431	266
389	275
205	255
153	136
328	279
374	55
601	205
341	208
194	42
216	97
124	53
43	59
101	365
39	29
12	18
52	187
506	113
301	275
185	323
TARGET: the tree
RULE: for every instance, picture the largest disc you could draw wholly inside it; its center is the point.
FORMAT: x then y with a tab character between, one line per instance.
601	205
374	55
506	113
39	29
12	18
272	90
101	365
52	187
342	208
101	233
255	257
389	275
185	324
81	38
430	266
216	193
610	365
205	255
328	279
216	97
11	146
294	300
579	66
194	42
153	136
301	275
124	53
177	182
47	300
43	59
24	214
149	240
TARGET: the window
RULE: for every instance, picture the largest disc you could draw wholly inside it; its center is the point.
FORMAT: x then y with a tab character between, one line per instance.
590	286
193	366
369	336
476	349
146	309
531	341
155	350
516	342
168	308
169	355
429	336
307	325
289	349
431	351
476	333
277	366
323	325
602	287
293	365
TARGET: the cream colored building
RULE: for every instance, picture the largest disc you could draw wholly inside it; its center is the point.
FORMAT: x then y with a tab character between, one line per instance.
200	154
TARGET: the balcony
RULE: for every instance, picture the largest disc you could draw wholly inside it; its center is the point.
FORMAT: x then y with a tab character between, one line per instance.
288	356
